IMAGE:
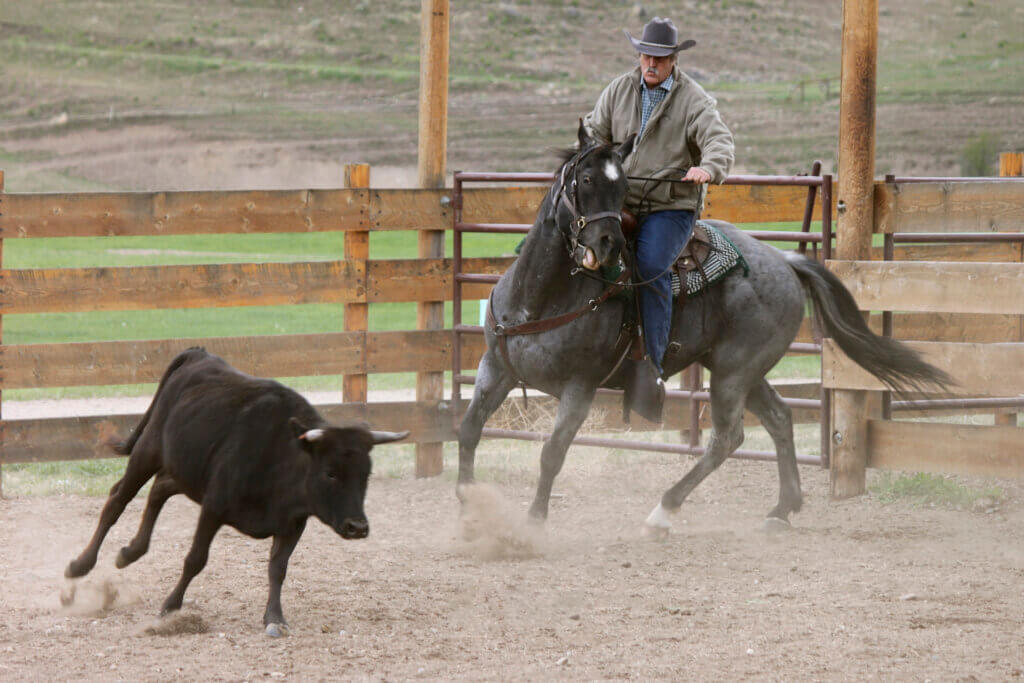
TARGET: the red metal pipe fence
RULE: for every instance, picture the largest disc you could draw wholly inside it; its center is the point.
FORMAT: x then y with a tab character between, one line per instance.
693	375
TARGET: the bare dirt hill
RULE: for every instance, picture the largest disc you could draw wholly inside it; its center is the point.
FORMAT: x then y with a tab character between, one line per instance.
149	95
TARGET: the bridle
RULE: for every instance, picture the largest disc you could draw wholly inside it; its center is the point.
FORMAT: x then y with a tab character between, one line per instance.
568	195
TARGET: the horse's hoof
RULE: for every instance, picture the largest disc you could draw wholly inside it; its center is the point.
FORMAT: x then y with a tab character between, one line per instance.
276	630
655	533
776	525
658	524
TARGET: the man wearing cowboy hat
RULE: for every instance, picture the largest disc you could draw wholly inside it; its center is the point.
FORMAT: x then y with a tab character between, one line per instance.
679	135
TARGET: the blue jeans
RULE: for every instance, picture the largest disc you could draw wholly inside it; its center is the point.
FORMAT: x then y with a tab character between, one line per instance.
660	238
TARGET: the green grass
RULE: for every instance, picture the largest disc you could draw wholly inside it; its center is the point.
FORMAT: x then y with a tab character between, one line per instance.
96	477
924	489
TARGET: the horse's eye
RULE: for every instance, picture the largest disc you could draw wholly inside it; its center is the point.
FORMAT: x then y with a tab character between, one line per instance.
586	180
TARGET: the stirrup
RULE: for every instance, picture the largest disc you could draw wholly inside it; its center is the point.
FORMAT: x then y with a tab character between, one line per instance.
644	392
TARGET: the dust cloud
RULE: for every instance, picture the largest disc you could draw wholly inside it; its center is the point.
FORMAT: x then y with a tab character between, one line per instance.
492	528
97	593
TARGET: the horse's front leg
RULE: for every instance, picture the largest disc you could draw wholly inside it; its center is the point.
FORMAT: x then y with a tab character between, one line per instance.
573	407
493	382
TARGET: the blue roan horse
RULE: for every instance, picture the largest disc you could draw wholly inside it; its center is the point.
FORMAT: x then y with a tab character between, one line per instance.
738	329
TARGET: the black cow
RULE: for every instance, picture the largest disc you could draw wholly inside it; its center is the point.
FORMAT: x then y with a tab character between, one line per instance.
253	453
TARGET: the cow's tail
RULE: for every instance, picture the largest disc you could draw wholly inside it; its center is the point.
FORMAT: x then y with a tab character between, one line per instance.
125	446
897	365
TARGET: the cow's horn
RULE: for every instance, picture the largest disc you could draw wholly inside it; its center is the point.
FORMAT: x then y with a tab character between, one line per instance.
313	435
387	437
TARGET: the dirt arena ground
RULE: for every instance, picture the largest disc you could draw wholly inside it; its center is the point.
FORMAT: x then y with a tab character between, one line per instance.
857	590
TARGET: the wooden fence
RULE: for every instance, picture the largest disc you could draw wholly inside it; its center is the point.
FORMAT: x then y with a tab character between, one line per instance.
353	281
979	300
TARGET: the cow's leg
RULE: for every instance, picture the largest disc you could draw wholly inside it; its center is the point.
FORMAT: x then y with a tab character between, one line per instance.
492	385
777	418
727	399
280	551
573	407
206	529
163	488
140	468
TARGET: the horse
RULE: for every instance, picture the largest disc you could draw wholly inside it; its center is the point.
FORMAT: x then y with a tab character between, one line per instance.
553	325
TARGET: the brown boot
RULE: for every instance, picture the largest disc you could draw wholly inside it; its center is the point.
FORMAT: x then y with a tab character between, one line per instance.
644	391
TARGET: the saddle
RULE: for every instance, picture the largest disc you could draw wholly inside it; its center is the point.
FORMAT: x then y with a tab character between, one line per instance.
692	258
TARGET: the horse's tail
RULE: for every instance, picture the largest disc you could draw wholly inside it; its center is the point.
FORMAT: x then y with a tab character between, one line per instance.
124	447
897	365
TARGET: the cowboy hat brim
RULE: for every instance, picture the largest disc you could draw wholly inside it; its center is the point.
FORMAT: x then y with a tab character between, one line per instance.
658	50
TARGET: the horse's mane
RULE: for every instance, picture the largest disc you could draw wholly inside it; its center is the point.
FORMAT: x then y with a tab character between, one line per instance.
565	154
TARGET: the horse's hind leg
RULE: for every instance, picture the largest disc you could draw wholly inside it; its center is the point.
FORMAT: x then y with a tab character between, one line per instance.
493	383
142	465
764	402
163	488
573	407
727	398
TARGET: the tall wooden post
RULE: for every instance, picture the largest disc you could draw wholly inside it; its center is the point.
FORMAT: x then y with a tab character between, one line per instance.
1011	164
357	247
433	141
856	208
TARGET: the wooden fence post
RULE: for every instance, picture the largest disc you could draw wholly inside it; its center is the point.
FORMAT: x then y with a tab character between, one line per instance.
1011	164
357	247
433	140
848	462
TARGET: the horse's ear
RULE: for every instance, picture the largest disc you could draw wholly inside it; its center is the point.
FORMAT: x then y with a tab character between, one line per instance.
626	147
583	136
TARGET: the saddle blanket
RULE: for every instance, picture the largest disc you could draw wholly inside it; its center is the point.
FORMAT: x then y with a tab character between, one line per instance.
722	259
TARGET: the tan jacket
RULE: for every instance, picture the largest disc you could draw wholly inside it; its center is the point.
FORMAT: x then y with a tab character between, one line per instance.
684	130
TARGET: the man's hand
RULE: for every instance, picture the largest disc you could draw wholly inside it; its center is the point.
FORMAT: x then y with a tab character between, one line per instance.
696	174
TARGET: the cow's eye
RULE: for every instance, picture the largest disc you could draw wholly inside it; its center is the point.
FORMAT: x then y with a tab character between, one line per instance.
331	476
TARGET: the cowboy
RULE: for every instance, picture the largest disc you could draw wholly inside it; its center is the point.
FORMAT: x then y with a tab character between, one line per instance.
680	134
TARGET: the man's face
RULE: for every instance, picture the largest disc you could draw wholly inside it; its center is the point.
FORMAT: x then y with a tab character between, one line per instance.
656	69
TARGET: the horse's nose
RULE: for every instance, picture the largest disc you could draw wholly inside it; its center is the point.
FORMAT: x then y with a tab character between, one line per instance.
610	248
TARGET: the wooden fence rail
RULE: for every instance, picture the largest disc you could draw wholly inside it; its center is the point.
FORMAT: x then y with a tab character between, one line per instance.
971	287
354	280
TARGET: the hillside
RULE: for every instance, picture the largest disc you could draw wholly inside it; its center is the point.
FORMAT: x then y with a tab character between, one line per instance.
265	94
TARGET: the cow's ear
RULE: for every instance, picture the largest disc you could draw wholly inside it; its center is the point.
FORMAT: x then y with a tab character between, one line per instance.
298	429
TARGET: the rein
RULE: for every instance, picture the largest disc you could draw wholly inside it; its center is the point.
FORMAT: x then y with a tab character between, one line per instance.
502	333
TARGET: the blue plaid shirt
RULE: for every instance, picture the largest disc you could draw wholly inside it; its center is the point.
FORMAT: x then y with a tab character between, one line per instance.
652	98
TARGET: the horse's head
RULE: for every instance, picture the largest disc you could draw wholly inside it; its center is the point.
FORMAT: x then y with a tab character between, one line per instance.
591	190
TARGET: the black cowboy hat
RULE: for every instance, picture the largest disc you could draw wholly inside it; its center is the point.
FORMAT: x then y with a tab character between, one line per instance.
659	39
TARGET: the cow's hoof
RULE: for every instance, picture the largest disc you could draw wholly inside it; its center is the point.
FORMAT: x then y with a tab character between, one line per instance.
67	594
276	630
122	559
776	525
76	569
